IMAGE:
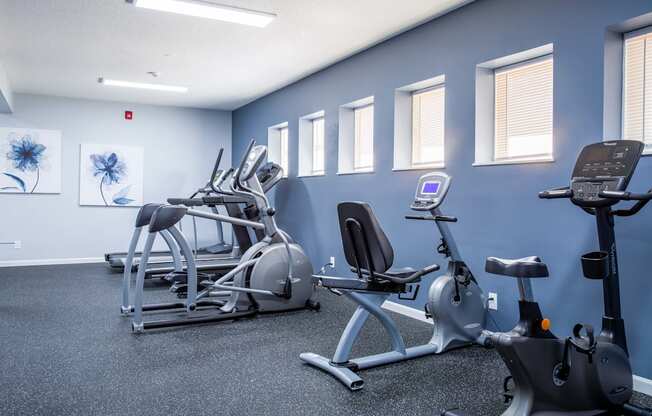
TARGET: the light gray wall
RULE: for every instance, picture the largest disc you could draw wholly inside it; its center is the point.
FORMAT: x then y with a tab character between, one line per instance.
180	147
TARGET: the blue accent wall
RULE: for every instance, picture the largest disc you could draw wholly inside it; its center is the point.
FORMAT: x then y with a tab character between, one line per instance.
498	208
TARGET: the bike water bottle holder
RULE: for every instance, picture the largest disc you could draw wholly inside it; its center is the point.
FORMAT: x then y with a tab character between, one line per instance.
595	265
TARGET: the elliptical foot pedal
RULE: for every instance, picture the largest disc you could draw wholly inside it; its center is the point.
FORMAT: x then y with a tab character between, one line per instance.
313	304
287	290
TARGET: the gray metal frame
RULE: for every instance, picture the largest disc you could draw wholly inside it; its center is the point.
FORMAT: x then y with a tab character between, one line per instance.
456	323
341	364
126	307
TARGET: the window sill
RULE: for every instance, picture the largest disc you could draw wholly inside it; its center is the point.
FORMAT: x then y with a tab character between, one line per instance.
361	172
316	175
514	162
421	167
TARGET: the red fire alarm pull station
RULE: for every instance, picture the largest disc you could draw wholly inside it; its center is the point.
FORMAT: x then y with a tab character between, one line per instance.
129	115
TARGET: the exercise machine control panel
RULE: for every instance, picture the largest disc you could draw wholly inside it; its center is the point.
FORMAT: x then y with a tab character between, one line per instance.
269	174
431	191
604	166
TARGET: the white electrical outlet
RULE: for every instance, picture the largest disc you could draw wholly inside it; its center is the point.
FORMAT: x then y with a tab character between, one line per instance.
492	301
18	244
333	261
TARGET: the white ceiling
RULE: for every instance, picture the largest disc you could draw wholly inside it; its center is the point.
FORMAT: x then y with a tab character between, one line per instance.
61	47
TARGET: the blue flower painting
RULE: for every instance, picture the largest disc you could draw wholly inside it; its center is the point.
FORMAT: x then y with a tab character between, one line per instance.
32	161
111	175
109	169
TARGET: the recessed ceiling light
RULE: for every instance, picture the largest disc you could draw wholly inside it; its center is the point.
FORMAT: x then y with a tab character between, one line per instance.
142	85
199	8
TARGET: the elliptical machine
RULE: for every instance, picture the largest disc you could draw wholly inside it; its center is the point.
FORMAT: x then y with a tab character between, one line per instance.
586	374
273	275
455	301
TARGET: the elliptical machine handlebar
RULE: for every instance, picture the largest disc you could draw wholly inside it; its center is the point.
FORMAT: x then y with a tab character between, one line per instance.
556	193
236	178
216	185
216	167
240	188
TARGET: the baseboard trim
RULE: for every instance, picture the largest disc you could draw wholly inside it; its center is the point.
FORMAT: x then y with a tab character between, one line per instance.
50	262
641	384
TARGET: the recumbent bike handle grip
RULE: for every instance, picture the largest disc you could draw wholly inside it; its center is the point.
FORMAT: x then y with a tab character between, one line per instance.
443	218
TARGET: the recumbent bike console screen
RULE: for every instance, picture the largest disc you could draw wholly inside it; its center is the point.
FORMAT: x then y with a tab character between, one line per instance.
431	191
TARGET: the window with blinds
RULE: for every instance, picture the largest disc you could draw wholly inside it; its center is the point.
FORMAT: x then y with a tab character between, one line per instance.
637	89
523	111
363	146
284	160
318	146
428	126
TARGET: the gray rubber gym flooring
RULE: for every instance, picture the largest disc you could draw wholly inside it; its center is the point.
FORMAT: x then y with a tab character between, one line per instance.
66	351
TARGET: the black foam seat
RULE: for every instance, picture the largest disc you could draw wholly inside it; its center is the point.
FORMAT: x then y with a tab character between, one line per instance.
369	252
525	267
145	214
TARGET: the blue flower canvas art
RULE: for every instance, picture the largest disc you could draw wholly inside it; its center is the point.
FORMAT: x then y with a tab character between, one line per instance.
111	175
30	161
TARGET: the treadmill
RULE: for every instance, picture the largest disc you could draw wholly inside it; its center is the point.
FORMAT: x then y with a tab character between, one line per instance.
269	174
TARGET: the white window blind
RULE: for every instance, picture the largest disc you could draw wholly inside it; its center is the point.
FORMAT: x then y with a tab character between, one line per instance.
284	162
364	139
523	111
637	89
428	126
318	146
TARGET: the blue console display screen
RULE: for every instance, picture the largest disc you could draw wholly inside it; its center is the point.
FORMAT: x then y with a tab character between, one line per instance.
430	188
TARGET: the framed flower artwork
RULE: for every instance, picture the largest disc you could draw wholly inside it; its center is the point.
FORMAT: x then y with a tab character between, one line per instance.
111	176
30	161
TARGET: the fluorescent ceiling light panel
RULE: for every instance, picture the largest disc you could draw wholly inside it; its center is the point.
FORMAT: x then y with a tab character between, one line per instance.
198	8
142	85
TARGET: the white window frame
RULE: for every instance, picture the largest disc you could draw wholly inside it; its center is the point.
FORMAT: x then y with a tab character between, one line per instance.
356	167
346	163
307	145
647	150
315	156
485	95
435	163
277	151
403	120
514	67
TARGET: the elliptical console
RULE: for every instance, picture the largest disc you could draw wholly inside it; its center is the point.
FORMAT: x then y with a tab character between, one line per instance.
606	166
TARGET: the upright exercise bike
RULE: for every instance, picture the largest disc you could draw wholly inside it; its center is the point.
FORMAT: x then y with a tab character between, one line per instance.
585	374
455	302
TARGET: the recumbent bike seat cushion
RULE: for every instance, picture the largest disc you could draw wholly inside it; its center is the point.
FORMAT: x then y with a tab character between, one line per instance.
525	267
